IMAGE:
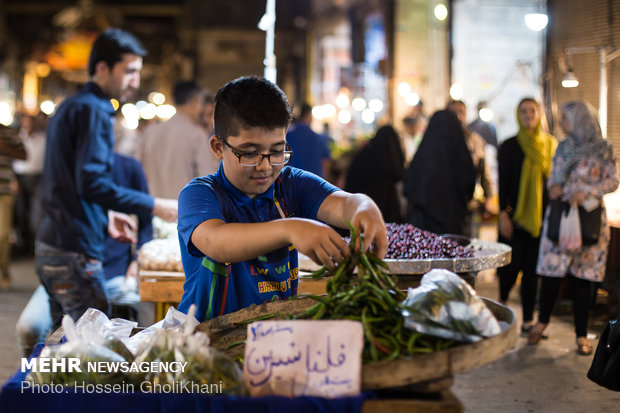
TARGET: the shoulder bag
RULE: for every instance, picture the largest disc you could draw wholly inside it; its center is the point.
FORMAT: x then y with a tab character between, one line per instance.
605	368
590	222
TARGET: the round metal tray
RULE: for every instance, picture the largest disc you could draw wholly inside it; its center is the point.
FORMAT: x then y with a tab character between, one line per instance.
225	331
487	255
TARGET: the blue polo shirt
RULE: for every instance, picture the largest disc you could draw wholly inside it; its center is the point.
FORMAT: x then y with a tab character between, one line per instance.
221	288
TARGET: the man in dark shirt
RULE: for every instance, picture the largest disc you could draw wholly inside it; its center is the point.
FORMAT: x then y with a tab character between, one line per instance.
310	150
78	192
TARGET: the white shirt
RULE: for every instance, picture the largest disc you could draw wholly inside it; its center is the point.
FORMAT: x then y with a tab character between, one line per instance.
35	154
173	153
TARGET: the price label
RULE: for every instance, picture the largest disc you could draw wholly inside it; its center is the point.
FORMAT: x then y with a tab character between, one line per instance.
304	358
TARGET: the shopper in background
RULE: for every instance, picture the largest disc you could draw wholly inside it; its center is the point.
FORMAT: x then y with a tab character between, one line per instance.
78	193
483	128
28	173
440	180
310	150
584	169
489	133
476	145
414	127
206	114
11	148
375	171
176	151
120	268
524	167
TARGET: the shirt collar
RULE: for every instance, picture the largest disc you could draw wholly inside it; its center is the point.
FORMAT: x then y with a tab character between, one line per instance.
237	195
94	88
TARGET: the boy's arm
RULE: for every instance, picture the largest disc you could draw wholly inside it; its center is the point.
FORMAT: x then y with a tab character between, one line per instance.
362	212
235	242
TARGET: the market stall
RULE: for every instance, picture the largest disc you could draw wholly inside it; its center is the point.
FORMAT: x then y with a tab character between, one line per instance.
364	345
161	274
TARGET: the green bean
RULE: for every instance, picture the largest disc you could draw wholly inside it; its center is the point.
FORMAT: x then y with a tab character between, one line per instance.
251	320
370	296
236	343
369	337
320	273
320	312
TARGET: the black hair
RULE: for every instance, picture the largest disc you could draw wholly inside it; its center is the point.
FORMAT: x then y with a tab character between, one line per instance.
208	98
412	120
185	91
249	102
304	110
110	46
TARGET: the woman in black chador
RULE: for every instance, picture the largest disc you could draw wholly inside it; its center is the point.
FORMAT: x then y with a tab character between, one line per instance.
375	171
440	180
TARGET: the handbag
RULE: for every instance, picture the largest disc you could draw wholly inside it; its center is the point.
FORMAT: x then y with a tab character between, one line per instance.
605	368
590	222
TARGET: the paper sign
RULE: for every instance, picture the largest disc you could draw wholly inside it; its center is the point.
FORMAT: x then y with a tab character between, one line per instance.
297	358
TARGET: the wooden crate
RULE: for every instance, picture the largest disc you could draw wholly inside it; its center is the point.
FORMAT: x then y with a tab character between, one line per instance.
167	286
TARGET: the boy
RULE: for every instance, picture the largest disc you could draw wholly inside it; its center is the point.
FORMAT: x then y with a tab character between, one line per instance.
240	228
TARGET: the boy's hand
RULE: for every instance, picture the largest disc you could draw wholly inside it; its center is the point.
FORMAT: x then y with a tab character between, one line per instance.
361	211
318	241
369	223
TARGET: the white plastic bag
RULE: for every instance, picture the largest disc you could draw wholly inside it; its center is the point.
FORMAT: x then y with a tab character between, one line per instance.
86	345
446	306
570	231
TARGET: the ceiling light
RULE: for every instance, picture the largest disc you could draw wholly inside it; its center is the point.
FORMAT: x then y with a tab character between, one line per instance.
570	80
440	12
536	21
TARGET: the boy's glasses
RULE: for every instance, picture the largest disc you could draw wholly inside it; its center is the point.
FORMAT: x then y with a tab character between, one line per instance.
255	158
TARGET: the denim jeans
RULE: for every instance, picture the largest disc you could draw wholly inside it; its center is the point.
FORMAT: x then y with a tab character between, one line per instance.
73	282
35	320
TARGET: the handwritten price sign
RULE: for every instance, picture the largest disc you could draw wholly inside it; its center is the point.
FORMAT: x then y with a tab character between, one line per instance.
303	358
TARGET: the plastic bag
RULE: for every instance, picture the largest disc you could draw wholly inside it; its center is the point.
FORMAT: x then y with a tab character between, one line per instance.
174	321
94	326
86	345
446	306
204	365
570	231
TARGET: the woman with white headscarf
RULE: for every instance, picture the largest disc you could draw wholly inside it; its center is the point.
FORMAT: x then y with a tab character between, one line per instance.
584	169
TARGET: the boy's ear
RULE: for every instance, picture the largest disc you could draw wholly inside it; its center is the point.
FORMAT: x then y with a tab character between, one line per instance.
217	147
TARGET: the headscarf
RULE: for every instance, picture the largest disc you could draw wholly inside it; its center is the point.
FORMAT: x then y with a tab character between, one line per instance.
376	169
585	138
441	178
538	148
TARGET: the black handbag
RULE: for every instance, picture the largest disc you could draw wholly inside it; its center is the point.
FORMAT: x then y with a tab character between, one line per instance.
605	368
590	222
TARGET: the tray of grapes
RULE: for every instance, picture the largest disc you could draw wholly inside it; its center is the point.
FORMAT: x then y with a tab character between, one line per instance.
414	251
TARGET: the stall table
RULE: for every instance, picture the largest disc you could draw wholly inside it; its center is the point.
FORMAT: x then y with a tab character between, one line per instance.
165	288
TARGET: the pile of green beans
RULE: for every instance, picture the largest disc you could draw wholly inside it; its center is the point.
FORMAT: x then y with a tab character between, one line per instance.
371	297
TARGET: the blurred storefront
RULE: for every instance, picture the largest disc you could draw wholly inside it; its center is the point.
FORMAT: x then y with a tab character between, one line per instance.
370	62
584	39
